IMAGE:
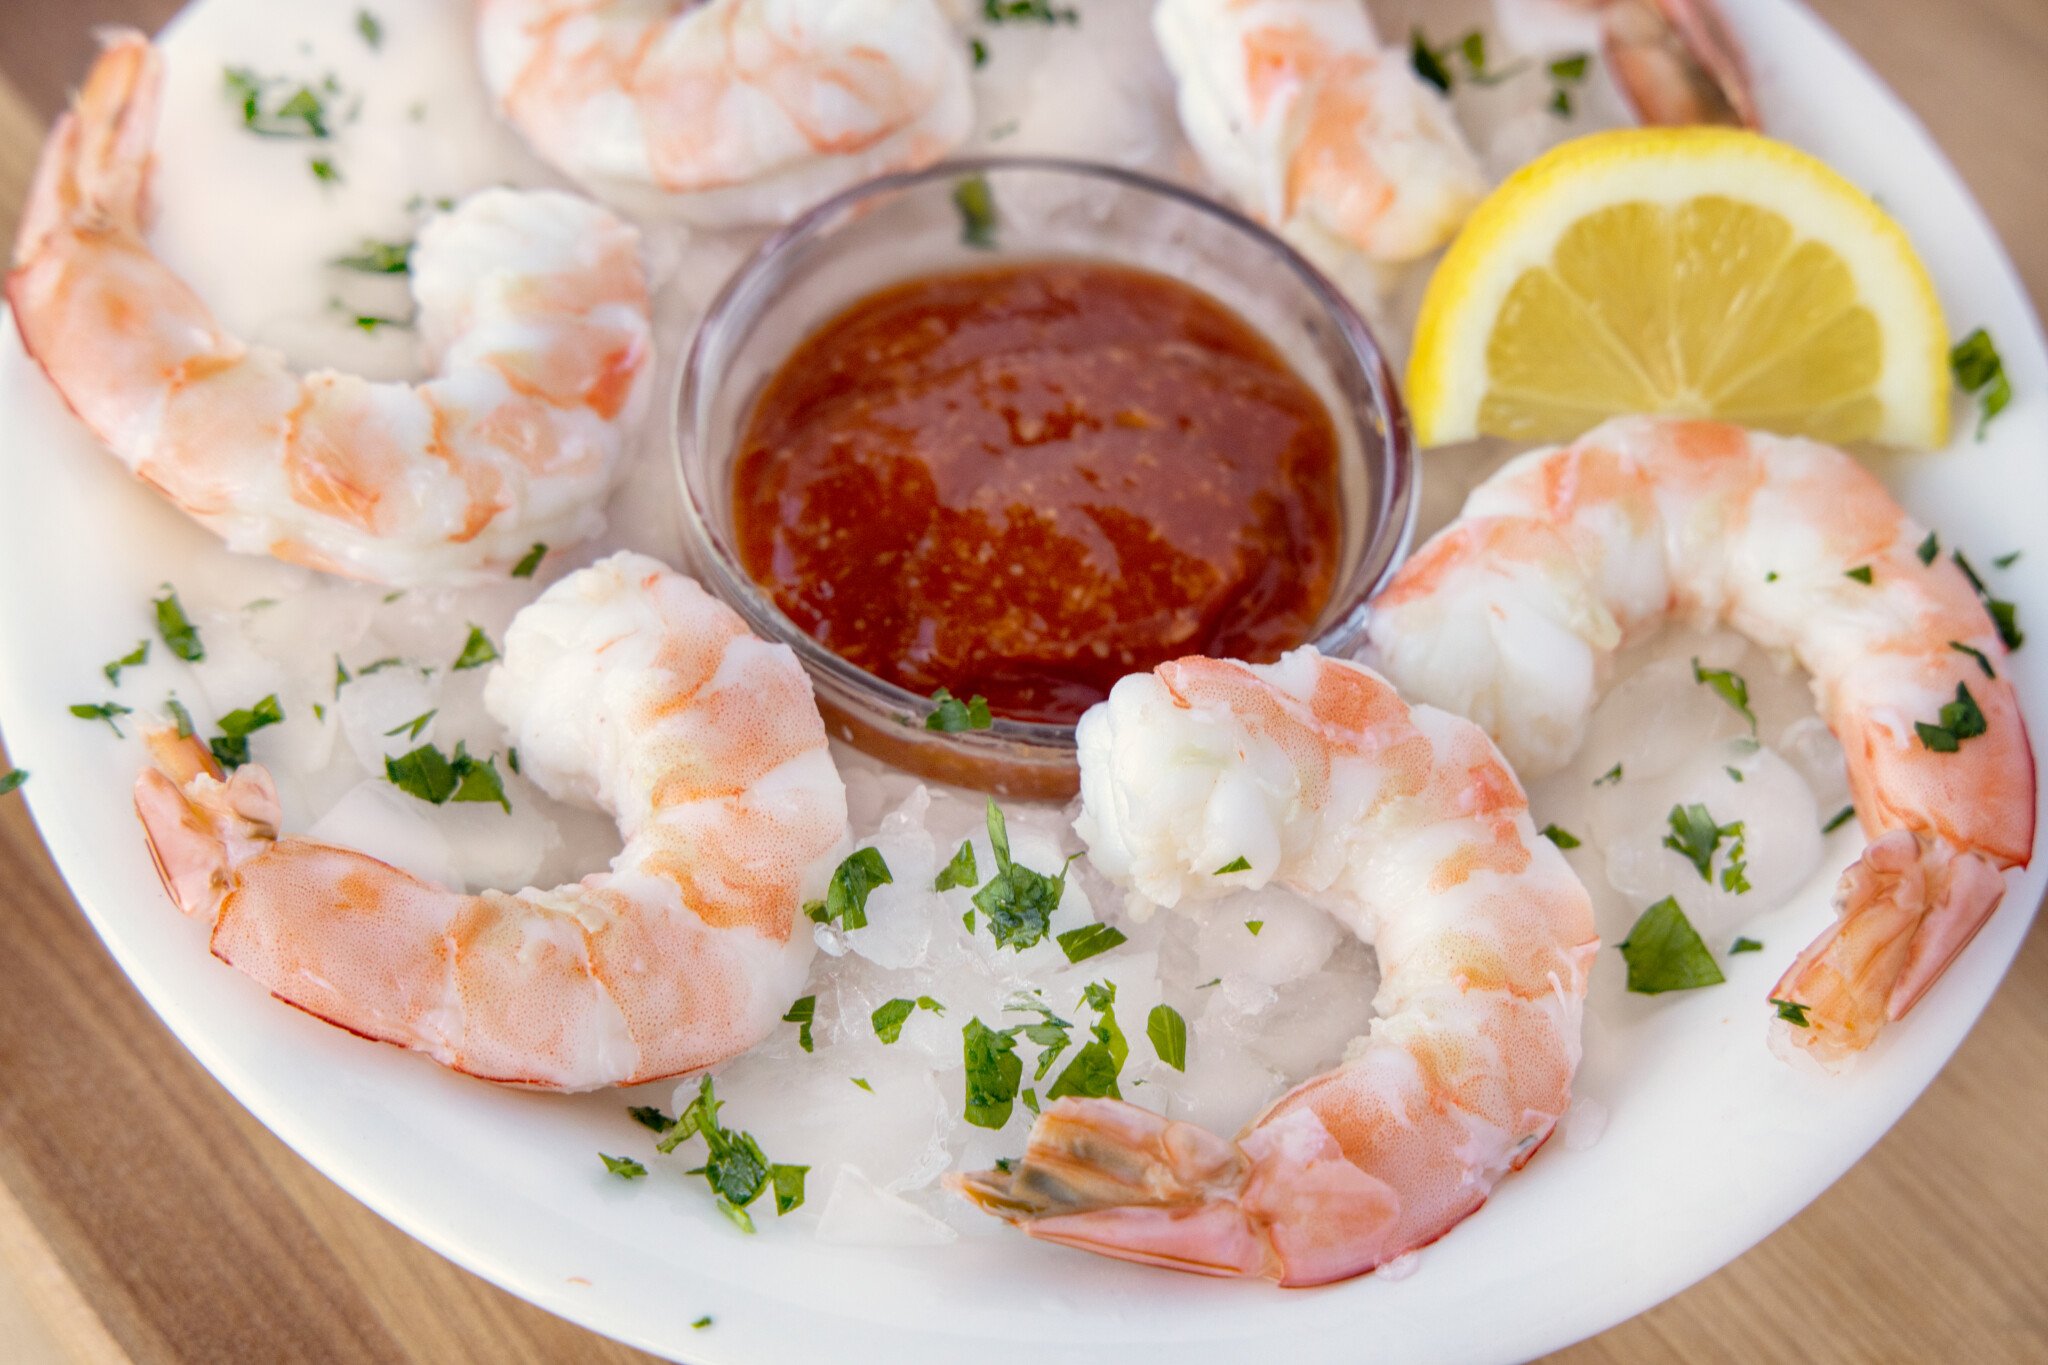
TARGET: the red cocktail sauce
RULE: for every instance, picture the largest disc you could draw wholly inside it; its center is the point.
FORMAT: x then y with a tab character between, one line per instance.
1030	480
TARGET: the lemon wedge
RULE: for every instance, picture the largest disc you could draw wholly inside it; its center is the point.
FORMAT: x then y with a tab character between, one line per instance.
1697	272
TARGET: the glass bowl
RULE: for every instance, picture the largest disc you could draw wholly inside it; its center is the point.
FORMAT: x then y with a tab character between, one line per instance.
901	226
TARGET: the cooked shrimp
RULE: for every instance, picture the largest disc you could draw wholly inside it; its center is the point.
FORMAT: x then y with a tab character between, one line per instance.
1300	115
1674	61
1407	824
625	686
532	309
1510	615
729	110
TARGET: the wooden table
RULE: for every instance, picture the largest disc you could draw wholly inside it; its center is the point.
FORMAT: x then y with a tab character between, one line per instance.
145	1216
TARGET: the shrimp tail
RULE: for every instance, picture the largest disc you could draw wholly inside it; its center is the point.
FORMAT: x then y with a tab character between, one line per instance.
1283	1202
96	167
1904	910
199	826
1677	63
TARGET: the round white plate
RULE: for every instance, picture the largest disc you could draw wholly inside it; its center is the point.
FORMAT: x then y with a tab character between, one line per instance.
1712	1142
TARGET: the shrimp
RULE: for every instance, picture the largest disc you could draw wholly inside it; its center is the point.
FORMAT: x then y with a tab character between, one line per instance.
1674	61
1408	825
625	686
1301	116
532	309
1510	614
732	110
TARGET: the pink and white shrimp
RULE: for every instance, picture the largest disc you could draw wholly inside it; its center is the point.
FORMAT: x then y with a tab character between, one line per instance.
1512	612
1301	116
1405	823
727	110
533	311
625	686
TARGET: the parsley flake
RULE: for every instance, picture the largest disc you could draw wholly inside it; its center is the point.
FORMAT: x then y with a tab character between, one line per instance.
180	636
437	778
1027	11
994	1071
846	896
1254	925
477	651
1238	864
1608	778
734	1165
1929	548
647	1116
976	203
1562	838
889	1018
1696	837
2007	560
961	871
180	715
1979	370
1792	1012
1664	952
702	1323
1960	720
378	258
530	561
1839	819
861	1081
12	779
1089	940
411	728
2004	615
802	1013
1729	686
624	1167
134	658
1745	945
372	30
1982	662
950	715
1169	1035
978	51
1018	901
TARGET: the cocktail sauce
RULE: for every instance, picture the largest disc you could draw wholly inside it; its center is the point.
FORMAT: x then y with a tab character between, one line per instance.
1029	480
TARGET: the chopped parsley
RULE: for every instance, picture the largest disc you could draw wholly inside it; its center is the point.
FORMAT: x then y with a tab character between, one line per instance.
978	51
1169	1035
1238	864
1572	68
477	650
323	170
1427	64
1608	778
702	1322
1929	548
370	27
1861	573
411	728
1664	952
647	1116
624	1167
1696	837
2007	560
12	779
530	561
1562	838
801	1013
1979	370
431	776
370	322
1092	1074
1982	662
1960	720
1088	940
862	1082
1729	686
1839	819
1018	902
994	1071
378	258
1254	925
180	715
977	205
2004	615
1744	945
890	1017
846	896
101	711
950	715
1432	64
1027	12
961	871
1792	1012
180	636
734	1165
134	658
277	107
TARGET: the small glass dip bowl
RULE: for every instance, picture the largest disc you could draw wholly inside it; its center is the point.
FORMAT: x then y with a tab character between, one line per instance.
903	226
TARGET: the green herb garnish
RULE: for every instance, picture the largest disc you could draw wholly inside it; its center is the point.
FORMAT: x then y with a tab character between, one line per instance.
1792	1012
134	658
378	258
302	113
1169	1035
1979	370
890	1017
180	636
624	1167
411	728
2007	560
1027	11
1744	945
180	715
1839	819
530	561
1238	864
1929	548
1427	64
950	715
1562	838
977	205
734	1165
231	746
994	1071
1729	686
477	650
961	871
1017	901
12	779
1960	720
1977	654
1089	940
1254	925
1092	1074
431	776
1861	573
373	31
1608	778
846	896
2004	615
1664	952
647	1116
801	1013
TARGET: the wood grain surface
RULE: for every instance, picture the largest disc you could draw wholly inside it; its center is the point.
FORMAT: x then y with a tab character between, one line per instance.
144	1216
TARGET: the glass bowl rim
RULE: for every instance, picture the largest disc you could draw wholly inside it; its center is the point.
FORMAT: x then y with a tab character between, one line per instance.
1378	555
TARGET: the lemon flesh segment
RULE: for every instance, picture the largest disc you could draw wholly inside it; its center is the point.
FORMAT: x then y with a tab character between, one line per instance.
1689	272
1707	308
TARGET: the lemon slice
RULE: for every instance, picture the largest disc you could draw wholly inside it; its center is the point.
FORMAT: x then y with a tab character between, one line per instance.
1698	272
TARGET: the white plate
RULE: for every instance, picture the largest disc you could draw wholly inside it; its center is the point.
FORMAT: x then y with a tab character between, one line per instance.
1712	1141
